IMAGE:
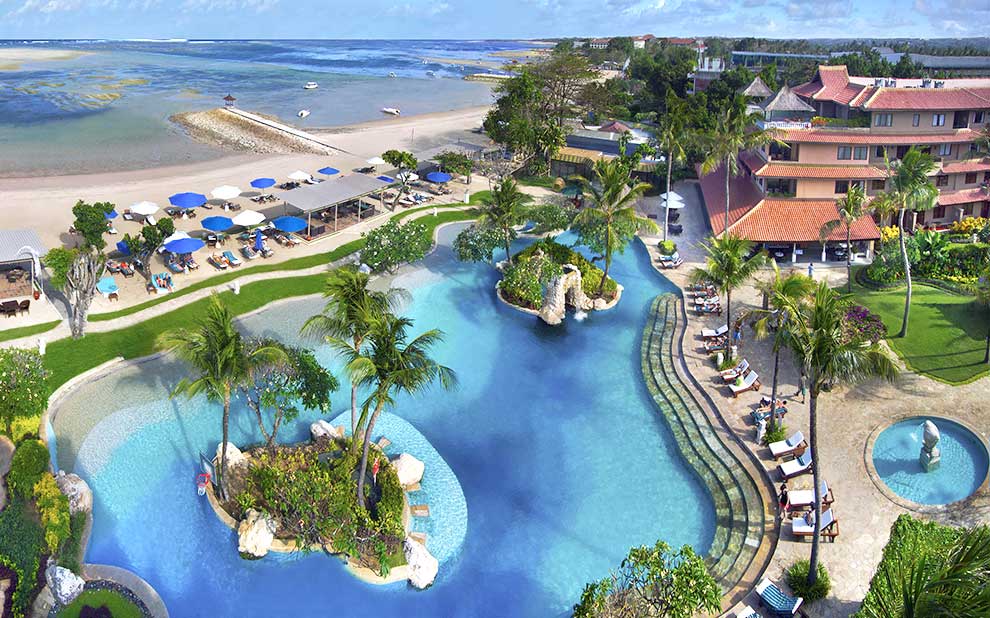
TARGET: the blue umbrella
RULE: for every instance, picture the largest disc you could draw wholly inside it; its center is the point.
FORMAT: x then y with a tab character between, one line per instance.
110	215
259	240
187	200
217	224
106	285
438	177
262	183
386	179
289	224
185	245
329	171
123	248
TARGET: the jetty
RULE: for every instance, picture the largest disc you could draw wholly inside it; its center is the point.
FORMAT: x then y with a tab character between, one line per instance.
280	127
486	77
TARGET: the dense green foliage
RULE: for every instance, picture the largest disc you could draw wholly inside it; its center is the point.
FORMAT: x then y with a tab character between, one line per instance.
53	508
523	282
22	545
22	386
591	275
388	509
477	243
667	247
653	582
797	579
119	606
29	463
388	246
71	556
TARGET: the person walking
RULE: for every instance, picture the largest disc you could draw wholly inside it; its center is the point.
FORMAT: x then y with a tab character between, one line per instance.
802	387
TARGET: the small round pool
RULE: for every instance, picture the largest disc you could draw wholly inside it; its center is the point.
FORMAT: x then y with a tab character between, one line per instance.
963	468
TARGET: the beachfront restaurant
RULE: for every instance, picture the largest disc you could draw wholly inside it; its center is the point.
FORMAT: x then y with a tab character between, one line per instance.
337	203
20	267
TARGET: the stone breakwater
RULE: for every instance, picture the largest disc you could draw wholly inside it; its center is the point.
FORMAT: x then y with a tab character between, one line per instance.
219	128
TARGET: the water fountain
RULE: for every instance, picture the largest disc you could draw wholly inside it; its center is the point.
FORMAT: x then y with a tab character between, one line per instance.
930	457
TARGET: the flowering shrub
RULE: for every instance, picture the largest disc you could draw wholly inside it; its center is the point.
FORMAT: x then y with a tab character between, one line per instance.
970	225
525	280
393	244
888	233
53	508
861	325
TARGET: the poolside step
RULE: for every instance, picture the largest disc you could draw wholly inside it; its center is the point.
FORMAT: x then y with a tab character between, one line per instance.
413	487
383	443
419	537
420	510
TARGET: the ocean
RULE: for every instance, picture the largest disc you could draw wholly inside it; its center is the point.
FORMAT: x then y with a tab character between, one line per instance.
108	109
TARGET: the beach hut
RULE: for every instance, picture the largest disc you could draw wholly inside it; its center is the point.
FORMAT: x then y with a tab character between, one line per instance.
325	196
20	263
229	100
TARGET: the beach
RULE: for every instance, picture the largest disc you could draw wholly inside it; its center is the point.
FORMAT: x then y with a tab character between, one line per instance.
12	58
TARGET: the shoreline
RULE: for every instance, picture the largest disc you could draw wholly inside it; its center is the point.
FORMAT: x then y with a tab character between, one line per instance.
13	58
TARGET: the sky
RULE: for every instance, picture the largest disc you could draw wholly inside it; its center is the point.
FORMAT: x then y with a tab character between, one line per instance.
481	19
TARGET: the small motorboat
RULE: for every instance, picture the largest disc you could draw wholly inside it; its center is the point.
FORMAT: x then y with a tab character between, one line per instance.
303	113
311	86
392	74
431	74
391	110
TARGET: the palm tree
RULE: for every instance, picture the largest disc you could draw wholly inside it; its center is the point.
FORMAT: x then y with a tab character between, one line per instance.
351	307
216	352
851	209
794	287
727	267
391	364
983	297
672	136
910	189
503	209
612	207
930	585
828	356
735	130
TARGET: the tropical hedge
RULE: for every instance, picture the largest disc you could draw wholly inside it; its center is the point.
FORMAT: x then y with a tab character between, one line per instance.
523	287
22	546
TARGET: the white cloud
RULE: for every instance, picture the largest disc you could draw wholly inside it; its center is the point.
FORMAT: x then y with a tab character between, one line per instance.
205	6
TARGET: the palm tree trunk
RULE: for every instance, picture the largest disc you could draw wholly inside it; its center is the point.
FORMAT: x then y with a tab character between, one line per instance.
986	355
725	232
907	274
364	453
666	203
773	388
223	448
508	246
608	260
849	268
728	322
353	409
813	449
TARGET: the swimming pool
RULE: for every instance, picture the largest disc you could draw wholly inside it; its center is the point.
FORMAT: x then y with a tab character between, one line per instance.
564	461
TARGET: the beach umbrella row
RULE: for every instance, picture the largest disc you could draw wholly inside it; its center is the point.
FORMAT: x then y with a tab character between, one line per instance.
217	224
262	183
226	192
289	224
187	200
184	245
144	209
439	177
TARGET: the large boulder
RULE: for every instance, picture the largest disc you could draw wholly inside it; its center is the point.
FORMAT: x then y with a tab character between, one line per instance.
255	534
76	490
64	584
409	469
323	429
235	457
423	567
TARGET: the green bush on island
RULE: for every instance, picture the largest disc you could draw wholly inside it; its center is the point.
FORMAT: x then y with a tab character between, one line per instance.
524	281
29	463
53	509
22	546
591	275
119	606
797	579
70	556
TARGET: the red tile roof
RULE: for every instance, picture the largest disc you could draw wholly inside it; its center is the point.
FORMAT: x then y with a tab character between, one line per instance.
961	167
927	99
798	220
614	127
854	136
752	161
963	197
831	83
743	195
799	170
680	41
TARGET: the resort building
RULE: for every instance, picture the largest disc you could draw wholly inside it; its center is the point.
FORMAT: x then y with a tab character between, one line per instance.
837	131
970	66
639	42
598	43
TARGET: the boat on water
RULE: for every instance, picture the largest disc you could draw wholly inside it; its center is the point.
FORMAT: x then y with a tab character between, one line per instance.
311	86
303	113
391	74
431	74
391	110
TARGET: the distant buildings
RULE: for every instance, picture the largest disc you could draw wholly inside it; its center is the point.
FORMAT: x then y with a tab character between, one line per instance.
756	60
958	65
836	131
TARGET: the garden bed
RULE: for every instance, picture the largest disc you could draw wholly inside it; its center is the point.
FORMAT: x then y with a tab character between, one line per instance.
524	281
119	601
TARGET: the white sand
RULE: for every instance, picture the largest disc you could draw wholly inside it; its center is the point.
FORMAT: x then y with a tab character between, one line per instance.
11	58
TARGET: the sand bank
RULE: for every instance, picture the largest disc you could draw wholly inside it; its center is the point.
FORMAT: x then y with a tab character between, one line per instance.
11	58
460	62
521	53
218	128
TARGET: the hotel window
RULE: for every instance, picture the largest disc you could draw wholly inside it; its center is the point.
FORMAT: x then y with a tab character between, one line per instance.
878	185
883	120
977	117
860	152
941	180
986	176
916	120
974	147
880	152
970	178
938	120
842	186
845	152
944	150
939	212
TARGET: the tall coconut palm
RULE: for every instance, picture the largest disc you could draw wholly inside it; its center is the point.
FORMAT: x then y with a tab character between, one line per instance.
851	209
673	136
216	352
794	287
504	208
350	310
728	265
983	297
828	357
909	189
612	208
735	130
392	364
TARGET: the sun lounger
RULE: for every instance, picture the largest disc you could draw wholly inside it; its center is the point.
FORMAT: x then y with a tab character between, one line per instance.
794	467
671	264
751	382
150	220
708	333
126	270
828	526
774	599
747	612
764	414
730	375
231	258
804	498
175	267
217	262
113	267
788	446
128	215
709	309
249	253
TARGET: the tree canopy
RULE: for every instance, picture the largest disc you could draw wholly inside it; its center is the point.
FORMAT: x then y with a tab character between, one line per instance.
23	386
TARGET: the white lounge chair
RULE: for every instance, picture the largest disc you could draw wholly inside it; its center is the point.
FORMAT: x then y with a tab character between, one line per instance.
750	383
828	526
730	375
709	333
801	498
747	612
788	446
776	600
797	466
150	220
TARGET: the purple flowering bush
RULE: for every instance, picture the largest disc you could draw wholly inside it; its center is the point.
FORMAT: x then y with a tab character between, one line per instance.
862	325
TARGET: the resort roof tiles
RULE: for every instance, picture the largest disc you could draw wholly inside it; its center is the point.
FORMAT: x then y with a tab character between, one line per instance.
797	220
804	170
831	83
965	196
927	99
961	167
853	136
743	195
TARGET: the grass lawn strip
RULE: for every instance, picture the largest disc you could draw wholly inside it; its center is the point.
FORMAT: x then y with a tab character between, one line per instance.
119	606
27	331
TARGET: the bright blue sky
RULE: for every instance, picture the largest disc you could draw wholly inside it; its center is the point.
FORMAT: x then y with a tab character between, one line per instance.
488	18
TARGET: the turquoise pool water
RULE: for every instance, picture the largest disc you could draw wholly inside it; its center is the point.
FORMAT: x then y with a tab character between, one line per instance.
562	456
962	471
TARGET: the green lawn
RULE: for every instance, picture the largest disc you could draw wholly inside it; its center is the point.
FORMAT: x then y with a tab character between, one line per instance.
27	331
946	332
119	606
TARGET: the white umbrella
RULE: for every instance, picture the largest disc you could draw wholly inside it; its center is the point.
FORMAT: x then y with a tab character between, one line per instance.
175	236
248	218
144	208
225	192
674	202
300	176
376	161
407	177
